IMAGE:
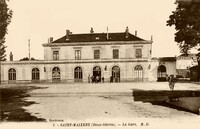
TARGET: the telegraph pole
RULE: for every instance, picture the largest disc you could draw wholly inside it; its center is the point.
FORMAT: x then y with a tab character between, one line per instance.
29	53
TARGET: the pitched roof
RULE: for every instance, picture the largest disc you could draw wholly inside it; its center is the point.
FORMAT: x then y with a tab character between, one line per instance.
167	59
97	37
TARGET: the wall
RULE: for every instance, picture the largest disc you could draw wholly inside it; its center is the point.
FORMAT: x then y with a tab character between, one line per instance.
126	51
24	70
67	63
170	68
185	64
153	70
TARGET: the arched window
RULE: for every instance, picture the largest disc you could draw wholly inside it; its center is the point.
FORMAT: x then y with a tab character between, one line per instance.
78	75
11	74
116	74
35	74
138	72
56	74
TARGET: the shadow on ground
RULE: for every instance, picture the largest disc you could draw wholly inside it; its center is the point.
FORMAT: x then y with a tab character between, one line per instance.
12	101
166	98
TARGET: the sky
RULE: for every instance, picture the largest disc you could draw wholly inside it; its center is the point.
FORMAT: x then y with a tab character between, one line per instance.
38	20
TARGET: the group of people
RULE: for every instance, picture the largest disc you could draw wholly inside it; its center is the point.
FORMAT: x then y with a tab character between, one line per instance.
114	79
95	79
98	79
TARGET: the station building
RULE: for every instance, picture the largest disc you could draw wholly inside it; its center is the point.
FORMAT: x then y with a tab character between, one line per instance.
75	57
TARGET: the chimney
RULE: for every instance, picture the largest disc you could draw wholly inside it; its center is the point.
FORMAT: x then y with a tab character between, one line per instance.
50	39
151	37
107	36
11	56
127	32
91	30
67	34
29	49
136	33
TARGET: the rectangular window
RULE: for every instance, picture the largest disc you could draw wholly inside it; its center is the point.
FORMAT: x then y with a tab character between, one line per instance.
55	55
115	53
138	53
77	54
96	54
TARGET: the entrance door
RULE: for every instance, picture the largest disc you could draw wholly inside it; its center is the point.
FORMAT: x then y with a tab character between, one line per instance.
97	74
11	75
78	75
138	73
35	75
162	73
56	74
116	74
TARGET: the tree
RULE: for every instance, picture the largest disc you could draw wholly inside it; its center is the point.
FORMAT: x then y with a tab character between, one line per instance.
187	2
5	19
26	59
186	19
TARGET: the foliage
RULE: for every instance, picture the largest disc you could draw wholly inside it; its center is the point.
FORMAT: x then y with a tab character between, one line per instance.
5	19
26	59
186	20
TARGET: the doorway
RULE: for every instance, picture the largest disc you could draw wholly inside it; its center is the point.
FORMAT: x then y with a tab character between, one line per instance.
116	74
96	74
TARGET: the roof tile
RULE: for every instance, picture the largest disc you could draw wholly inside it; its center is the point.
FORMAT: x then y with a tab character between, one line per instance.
96	37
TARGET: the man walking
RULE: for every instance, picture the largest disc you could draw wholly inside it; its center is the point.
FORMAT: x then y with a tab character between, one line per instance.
171	82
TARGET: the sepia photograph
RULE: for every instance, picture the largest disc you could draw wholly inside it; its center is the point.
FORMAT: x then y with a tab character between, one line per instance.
99	64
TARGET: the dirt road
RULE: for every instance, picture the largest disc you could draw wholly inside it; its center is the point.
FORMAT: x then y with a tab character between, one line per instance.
96	101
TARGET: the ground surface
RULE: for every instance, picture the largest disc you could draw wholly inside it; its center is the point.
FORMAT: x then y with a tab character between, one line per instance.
82	102
12	102
93	101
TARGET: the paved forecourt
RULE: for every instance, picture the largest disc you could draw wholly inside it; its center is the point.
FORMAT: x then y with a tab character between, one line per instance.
82	101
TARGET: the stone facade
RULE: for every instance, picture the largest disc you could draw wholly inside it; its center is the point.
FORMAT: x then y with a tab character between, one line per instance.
72	58
162	67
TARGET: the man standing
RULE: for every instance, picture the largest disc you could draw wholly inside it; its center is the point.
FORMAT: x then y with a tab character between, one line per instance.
89	78
171	82
111	79
102	79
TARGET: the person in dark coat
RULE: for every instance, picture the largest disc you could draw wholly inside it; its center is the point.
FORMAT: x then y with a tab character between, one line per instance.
102	79
111	79
92	78
171	82
97	79
89	79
